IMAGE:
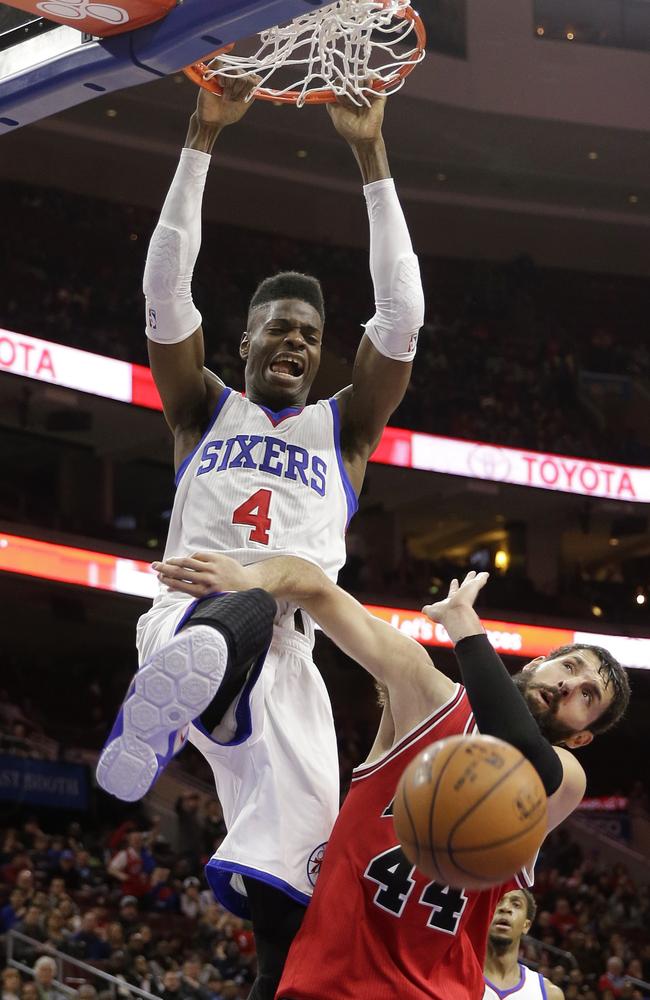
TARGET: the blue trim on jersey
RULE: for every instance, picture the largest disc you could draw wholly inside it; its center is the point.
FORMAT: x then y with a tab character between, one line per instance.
218	873
243	718
277	416
215	413
513	989
350	495
542	986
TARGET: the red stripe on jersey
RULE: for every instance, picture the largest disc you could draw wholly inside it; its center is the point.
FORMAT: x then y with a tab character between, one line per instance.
423	729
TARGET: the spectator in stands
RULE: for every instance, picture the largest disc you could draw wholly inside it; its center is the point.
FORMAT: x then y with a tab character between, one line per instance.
214	828
67	871
131	866
191	979
163	895
11	984
172	987
143	976
129	917
32	927
191	903
87	943
227	959
563	920
89	869
44	974
30	991
115	936
25	878
214	987
13	911
190	837
70	913
56	935
57	891
613	979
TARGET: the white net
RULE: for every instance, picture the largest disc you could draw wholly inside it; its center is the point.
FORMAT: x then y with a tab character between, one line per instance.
352	47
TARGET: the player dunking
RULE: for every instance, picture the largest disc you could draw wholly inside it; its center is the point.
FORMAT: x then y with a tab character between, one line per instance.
505	975
256	476
376	928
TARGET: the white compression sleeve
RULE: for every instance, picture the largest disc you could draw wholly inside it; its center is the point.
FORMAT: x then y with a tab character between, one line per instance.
174	247
399	298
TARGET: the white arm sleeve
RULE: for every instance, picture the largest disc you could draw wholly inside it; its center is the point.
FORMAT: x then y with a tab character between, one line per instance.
399	298
174	247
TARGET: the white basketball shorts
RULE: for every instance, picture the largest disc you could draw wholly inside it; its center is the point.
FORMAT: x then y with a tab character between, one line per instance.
275	765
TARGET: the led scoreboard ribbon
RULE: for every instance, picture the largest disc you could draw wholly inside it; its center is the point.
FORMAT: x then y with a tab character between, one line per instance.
129	383
104	571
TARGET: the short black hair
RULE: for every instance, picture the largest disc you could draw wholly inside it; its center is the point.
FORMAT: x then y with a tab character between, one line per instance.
290	285
531	905
612	673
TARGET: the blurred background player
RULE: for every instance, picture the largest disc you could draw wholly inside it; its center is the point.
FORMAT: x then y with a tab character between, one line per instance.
259	475
418	939
505	975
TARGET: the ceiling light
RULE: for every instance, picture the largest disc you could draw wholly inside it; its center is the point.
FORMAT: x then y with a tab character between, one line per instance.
640	598
179	78
133	237
111	113
570	36
633	199
613	541
593	155
539	30
501	560
441	177
301	154
596	611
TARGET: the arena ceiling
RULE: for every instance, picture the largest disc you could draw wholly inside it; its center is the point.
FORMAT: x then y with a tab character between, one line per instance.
481	184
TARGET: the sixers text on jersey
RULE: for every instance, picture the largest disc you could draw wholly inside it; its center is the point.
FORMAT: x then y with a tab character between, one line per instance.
265	453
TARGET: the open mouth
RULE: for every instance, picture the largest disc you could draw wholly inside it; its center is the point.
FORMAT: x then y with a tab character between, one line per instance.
287	366
501	925
546	696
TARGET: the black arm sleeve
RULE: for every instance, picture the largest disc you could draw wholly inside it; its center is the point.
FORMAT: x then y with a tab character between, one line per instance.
500	709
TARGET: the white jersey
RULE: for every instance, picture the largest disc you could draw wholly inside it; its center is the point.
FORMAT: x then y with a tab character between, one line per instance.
530	987
262	484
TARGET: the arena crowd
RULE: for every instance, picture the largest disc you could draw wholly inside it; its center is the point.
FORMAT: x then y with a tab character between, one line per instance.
510	353
125	902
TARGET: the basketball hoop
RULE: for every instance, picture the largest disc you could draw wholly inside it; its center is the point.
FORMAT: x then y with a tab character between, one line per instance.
351	47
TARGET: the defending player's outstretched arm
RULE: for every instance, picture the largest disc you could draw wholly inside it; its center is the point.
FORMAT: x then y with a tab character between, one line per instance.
174	332
415	686
499	708
382	368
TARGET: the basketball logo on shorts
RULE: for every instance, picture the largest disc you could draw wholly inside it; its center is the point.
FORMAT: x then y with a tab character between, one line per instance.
75	10
152	319
314	863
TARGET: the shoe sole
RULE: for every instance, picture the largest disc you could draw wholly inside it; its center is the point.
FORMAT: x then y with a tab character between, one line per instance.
175	686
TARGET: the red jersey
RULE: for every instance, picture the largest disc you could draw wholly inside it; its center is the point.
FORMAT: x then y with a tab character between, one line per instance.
377	929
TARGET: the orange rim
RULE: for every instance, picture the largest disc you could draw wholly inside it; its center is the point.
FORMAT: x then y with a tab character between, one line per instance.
196	72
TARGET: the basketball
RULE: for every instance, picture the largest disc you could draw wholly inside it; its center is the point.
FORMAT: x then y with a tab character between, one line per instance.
470	811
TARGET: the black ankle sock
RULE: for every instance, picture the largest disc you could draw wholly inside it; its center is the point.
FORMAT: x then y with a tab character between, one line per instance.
245	620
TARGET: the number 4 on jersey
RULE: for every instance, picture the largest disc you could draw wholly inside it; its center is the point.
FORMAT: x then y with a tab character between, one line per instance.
255	512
